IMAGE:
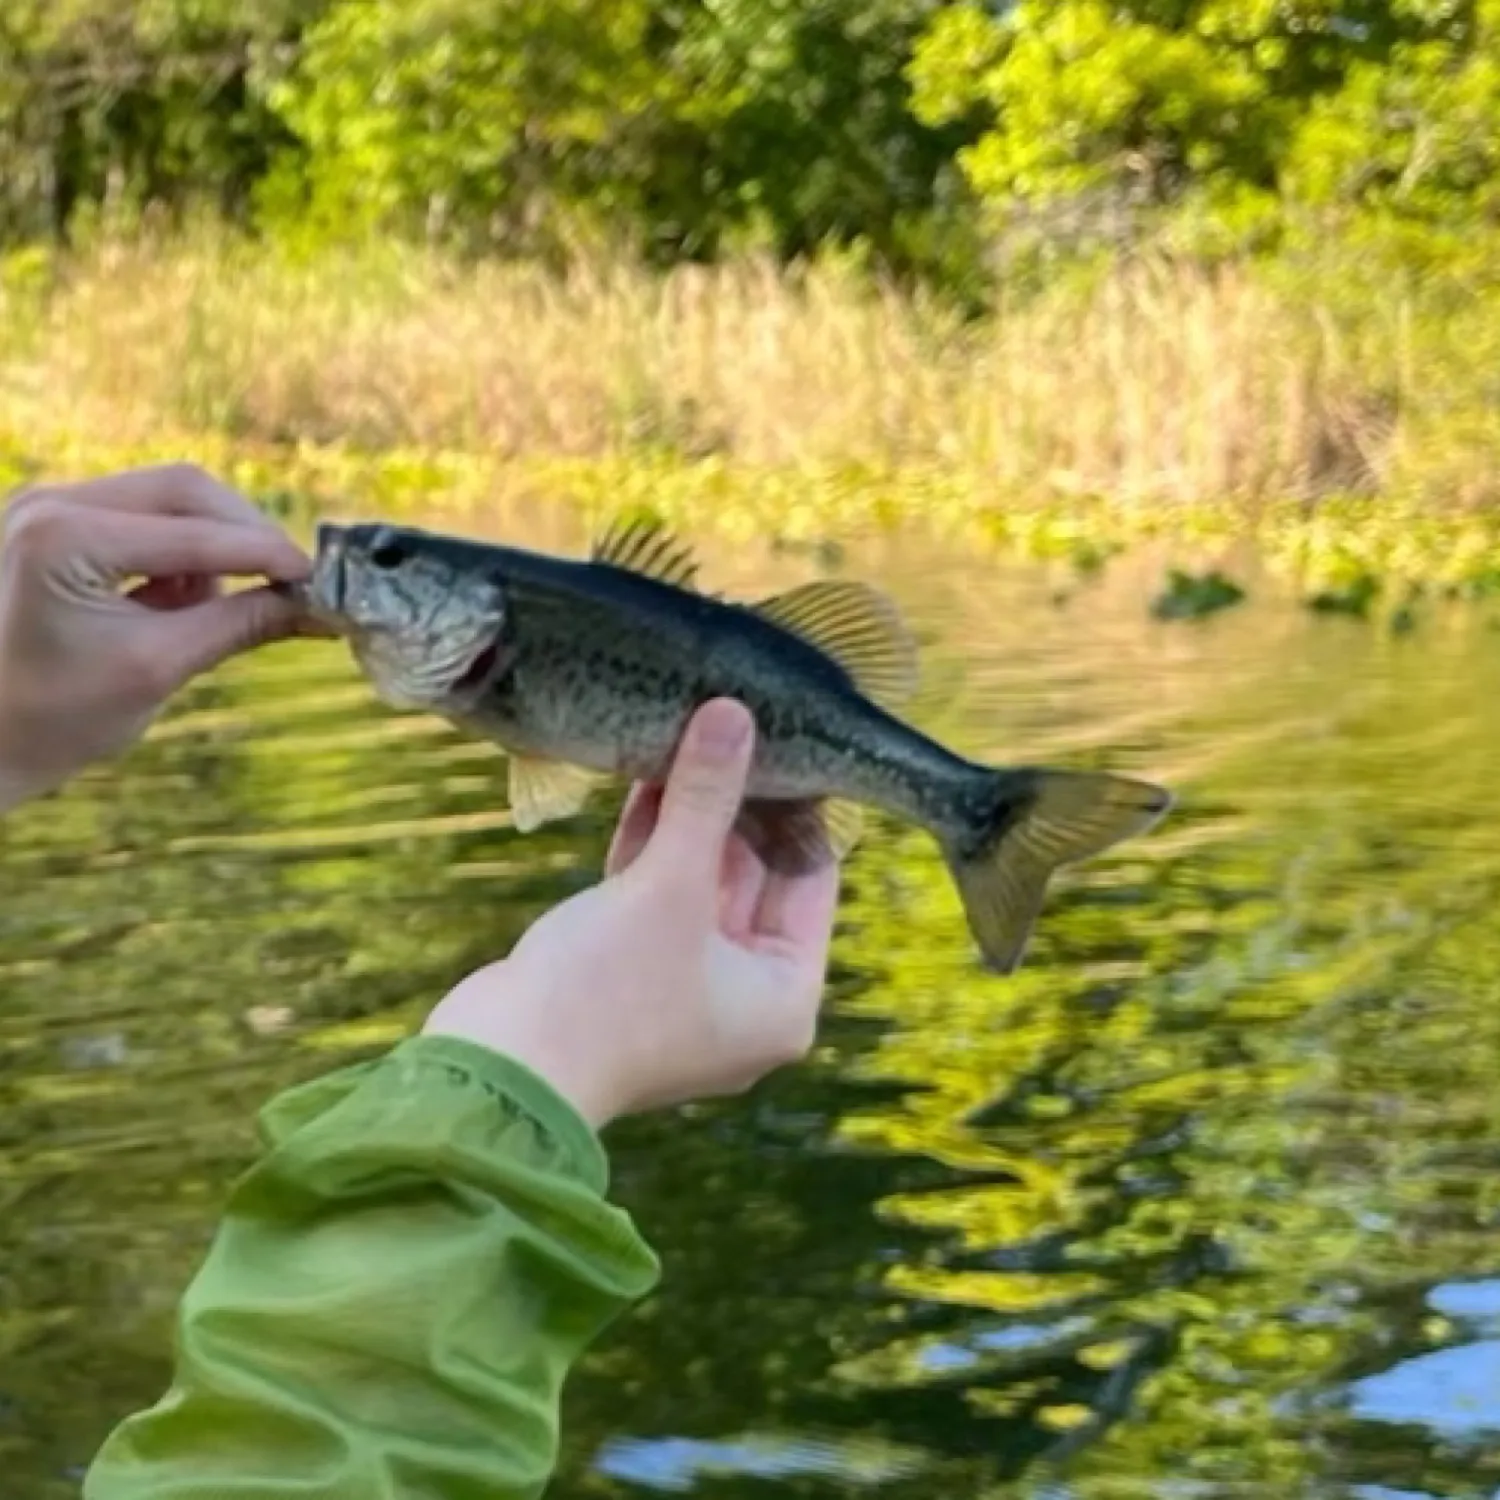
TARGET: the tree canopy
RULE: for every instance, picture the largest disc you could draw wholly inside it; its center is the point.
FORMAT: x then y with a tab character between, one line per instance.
909	129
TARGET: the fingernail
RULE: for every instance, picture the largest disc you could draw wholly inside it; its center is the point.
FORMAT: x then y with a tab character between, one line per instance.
720	729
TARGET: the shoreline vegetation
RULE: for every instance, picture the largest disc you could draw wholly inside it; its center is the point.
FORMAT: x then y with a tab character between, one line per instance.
1063	274
1342	432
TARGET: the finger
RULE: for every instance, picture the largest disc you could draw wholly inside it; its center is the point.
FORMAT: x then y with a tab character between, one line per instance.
161	490
741	882
307	627
795	914
633	830
702	797
157	546
197	640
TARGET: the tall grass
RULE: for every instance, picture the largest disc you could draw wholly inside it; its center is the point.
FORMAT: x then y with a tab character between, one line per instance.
1149	381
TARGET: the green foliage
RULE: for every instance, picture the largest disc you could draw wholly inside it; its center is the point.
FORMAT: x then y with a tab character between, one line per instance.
462	113
1190	596
1100	116
1413	133
797	120
901	131
680	127
1352	598
132	106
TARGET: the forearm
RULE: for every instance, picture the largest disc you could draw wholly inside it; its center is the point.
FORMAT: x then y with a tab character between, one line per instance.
396	1295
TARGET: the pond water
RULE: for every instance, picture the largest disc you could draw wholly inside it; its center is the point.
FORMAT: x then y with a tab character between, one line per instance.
1203	1202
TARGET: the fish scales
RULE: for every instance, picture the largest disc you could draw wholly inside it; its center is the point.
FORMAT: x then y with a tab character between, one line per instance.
610	688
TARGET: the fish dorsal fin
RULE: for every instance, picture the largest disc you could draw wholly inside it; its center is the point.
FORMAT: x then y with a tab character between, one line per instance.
856	625
542	791
644	545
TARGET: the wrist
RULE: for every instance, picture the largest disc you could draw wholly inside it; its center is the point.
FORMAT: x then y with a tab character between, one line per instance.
486	1011
554	1116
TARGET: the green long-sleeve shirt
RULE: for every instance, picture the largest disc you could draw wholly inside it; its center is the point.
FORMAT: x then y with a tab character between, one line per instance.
396	1294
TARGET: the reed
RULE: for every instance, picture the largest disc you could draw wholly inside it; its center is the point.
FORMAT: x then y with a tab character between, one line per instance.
1149	382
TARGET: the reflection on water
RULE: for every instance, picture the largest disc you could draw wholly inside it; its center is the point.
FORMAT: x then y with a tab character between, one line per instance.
1203	1202
1454	1391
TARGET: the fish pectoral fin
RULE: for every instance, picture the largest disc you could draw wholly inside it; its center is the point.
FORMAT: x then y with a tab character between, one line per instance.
542	791
642	544
858	627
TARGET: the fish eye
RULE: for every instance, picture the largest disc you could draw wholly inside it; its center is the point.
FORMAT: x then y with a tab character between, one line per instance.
388	553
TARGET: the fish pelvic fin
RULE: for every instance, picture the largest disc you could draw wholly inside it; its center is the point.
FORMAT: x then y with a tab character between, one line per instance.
1037	821
543	791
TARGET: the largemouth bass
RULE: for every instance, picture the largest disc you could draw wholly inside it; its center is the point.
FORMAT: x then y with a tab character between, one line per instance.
584	669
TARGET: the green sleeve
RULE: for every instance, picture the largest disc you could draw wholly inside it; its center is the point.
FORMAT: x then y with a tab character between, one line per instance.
395	1296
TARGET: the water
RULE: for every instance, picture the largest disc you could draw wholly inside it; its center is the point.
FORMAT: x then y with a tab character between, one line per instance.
1204	1202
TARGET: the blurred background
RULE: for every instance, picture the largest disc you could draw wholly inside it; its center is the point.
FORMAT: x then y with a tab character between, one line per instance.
1175	248
1145	353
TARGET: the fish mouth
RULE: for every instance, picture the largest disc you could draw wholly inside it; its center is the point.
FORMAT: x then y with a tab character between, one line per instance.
329	583
322	595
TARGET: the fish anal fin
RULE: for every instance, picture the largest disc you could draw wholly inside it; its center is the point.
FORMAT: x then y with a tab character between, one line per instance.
543	791
796	838
642	544
845	823
857	626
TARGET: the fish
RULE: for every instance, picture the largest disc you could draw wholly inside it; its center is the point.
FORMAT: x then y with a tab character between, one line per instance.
585	670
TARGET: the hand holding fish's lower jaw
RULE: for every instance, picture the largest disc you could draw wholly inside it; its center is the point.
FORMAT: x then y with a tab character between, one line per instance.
89	655
689	972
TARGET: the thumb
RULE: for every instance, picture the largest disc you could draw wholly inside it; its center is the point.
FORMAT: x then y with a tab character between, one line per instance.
702	795
210	633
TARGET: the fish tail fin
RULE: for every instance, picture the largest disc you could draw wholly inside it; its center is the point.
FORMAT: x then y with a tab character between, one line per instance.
1032	821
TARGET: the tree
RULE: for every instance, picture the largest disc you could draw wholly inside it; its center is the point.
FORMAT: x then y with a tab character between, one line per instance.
133	105
796	122
455	117
680	126
1112	113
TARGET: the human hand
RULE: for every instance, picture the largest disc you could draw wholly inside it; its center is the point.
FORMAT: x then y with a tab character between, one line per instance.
689	972
84	668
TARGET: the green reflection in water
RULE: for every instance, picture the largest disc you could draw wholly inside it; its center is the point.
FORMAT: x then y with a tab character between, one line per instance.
1128	1224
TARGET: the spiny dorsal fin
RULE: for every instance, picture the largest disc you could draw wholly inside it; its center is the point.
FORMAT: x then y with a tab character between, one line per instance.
542	791
644	545
856	625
